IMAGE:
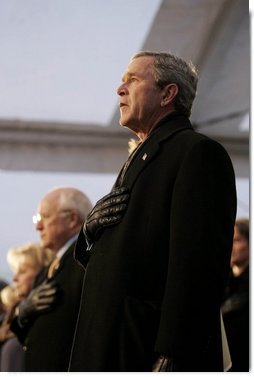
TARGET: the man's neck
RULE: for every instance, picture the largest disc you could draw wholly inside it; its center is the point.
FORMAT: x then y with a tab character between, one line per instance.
60	252
144	135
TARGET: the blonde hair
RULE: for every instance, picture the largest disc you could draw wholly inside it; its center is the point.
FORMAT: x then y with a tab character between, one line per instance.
32	254
8	296
132	145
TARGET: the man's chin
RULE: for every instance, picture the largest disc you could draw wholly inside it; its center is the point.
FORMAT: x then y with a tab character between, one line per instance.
124	121
121	122
124	124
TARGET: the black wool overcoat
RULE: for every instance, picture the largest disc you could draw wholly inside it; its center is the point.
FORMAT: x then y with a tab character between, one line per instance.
48	339
155	281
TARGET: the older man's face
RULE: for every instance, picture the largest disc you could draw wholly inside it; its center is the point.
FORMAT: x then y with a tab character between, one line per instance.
140	97
53	223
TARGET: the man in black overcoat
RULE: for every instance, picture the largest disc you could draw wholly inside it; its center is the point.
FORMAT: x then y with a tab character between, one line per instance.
47	318
159	244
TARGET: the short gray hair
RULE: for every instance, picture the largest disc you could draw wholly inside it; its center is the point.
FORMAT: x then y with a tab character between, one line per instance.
169	68
71	198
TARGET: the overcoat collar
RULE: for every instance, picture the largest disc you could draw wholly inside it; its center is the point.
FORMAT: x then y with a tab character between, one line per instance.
166	129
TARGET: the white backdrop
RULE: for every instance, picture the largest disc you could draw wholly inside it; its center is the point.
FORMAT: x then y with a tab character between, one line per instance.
21	192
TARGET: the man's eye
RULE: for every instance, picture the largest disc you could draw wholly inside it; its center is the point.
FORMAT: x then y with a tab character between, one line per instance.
132	79
44	217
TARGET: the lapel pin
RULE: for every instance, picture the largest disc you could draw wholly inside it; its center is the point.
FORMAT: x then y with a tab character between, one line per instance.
144	157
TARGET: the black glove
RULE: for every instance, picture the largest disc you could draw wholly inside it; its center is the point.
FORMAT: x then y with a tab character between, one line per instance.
39	300
107	211
163	364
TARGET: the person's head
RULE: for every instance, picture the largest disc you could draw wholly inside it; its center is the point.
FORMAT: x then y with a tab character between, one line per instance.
240	251
154	85
26	261
60	216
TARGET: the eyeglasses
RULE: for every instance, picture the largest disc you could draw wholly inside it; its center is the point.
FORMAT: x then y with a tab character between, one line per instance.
39	217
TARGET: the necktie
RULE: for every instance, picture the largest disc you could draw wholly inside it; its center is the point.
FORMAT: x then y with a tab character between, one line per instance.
53	267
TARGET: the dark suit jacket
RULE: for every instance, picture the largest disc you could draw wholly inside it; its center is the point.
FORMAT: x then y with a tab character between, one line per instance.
47	341
154	282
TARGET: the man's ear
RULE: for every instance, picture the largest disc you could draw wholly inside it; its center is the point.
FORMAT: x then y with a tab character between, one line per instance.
169	93
74	219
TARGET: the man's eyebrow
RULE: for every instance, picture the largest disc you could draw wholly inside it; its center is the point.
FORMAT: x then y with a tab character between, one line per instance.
127	75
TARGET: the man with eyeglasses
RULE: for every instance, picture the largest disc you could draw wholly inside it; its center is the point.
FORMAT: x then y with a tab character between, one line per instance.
46	319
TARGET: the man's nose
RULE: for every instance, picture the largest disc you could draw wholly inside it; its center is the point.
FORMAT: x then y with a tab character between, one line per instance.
39	225
122	90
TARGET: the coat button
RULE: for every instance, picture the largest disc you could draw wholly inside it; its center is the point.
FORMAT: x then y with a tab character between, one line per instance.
24	348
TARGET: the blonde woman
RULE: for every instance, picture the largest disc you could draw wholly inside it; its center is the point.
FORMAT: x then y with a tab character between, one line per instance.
9	300
26	262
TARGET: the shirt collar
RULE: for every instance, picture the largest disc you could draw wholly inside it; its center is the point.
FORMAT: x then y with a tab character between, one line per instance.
66	246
